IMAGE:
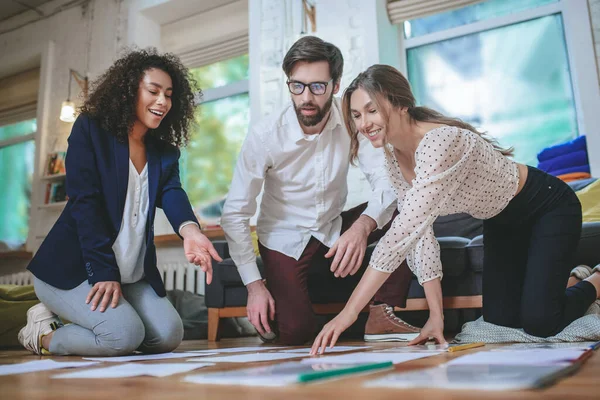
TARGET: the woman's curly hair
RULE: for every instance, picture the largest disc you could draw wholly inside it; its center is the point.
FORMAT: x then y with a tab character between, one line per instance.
113	97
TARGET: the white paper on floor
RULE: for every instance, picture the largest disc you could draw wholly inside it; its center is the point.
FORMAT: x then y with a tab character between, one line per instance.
129	370
518	357
237	350
247	358
534	346
146	357
368	357
336	349
41	365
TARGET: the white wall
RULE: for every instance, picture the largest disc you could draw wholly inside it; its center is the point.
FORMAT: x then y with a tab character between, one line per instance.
594	144
594	6
205	28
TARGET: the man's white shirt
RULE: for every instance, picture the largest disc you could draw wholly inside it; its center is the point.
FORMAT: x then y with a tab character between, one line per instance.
305	187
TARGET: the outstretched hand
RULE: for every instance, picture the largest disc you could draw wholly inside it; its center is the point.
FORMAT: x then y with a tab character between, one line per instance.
199	250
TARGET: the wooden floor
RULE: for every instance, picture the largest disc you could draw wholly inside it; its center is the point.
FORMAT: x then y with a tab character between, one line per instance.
584	384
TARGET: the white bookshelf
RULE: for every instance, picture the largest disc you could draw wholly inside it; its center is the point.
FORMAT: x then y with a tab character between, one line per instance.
52	178
53	206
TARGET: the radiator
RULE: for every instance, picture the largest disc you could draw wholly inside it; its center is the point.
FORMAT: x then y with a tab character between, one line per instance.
182	276
175	275
21	278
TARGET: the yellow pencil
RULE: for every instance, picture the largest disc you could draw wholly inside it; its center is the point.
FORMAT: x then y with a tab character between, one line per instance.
465	346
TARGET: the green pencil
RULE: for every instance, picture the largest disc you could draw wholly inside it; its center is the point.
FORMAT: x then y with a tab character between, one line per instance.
312	376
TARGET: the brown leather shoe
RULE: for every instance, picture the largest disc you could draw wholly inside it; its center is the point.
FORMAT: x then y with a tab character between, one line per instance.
384	326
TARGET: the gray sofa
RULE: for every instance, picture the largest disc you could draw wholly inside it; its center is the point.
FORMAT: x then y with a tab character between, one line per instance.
461	242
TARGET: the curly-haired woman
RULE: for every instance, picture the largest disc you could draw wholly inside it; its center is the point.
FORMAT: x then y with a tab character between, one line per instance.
97	266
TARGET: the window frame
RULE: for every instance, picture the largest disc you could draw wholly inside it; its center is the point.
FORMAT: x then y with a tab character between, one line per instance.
19	139
5	143
239	87
580	57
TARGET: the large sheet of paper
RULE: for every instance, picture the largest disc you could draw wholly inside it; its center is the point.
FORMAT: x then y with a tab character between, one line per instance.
147	357
474	377
519	357
283	374
41	365
248	358
369	357
129	370
336	349
423	348
561	345
237	350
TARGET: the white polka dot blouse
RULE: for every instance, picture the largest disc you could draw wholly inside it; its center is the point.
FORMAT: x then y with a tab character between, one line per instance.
456	171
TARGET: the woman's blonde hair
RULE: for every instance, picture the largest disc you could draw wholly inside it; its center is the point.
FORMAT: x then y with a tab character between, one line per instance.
385	82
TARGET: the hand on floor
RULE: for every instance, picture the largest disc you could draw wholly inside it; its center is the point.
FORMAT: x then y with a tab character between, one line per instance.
332	331
434	328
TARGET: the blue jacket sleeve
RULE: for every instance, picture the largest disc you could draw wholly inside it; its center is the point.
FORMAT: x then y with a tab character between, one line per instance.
88	207
174	201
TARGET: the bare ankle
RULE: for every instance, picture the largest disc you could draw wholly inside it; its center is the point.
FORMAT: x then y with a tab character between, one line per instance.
46	340
594	279
573	281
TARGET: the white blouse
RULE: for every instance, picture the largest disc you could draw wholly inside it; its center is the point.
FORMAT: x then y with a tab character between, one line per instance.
130	245
457	171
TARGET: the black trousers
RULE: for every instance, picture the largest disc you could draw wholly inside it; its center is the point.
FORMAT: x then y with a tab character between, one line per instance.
528	253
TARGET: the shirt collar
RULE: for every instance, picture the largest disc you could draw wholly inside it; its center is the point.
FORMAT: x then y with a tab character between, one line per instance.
298	134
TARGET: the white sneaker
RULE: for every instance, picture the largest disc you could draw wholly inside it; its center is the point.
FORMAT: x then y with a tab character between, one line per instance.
581	272
40	322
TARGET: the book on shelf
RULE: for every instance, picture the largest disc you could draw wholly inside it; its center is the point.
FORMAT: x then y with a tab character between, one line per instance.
56	192
56	163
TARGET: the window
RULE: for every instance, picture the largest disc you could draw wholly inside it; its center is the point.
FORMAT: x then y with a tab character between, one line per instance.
501	65
221	125
17	153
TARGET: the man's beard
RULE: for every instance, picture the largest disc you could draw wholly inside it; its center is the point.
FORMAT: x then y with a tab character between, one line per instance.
312	120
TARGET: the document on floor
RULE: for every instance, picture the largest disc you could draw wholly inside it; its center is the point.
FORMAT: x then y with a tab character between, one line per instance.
237	350
561	345
421	348
41	365
336	349
369	357
519	357
247	358
476	377
285	373
147	357
130	369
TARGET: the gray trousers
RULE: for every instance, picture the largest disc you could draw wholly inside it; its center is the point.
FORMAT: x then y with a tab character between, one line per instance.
141	321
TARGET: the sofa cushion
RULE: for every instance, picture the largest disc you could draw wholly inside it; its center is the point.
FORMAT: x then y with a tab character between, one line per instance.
467	284
475	254
227	274
588	250
462	225
453	254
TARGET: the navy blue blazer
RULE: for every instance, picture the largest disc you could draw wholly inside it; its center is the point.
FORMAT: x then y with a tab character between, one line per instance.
79	245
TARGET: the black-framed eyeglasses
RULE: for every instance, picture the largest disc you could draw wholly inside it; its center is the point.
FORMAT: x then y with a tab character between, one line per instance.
316	88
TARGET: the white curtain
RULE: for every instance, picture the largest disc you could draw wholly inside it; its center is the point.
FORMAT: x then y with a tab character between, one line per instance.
18	96
233	46
404	10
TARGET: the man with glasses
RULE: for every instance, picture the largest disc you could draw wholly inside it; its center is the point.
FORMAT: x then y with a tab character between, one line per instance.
301	155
